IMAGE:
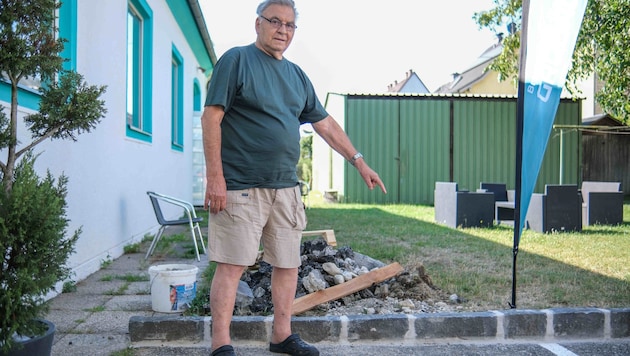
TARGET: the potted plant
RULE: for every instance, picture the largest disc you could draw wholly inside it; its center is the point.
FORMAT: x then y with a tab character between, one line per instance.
33	221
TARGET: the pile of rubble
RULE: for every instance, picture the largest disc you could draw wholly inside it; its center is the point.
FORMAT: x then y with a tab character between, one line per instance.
411	291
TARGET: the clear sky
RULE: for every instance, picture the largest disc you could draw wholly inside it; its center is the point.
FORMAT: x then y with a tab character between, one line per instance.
362	46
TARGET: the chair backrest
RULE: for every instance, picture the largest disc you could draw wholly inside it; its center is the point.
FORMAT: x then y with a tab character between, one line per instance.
598	187
156	208
601	186
590	186
559	195
445	187
499	190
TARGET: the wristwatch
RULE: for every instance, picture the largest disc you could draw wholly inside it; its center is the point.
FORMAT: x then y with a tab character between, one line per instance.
355	158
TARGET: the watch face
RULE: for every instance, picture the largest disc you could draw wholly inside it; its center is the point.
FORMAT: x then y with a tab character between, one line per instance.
355	157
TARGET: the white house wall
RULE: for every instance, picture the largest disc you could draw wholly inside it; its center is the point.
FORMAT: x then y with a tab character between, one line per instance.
328	172
109	173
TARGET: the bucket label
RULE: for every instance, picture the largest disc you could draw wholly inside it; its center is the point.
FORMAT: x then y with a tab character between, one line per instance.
181	295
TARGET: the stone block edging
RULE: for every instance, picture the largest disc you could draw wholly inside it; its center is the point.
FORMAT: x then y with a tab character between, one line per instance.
515	324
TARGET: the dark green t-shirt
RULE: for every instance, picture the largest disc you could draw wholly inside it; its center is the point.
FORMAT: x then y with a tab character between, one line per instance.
265	101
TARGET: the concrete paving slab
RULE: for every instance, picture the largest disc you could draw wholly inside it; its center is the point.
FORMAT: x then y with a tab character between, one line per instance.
129	303
109	322
139	288
89	288
130	263
67	320
90	344
77	301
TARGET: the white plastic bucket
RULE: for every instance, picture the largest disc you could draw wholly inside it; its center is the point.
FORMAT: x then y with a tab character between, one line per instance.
173	287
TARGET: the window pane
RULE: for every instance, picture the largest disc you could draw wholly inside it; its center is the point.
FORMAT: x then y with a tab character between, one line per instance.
174	102
134	35
177	100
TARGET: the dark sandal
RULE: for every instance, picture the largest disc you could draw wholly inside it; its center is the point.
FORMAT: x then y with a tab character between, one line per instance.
225	350
295	346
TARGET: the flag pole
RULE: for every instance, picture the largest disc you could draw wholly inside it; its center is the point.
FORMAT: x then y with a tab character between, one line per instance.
518	224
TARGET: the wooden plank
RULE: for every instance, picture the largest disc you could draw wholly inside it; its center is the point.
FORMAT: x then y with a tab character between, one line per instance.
363	281
329	235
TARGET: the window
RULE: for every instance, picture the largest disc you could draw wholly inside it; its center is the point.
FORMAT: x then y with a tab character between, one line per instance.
139	80
177	101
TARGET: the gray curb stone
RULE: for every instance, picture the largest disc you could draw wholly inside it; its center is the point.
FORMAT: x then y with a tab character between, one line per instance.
548	324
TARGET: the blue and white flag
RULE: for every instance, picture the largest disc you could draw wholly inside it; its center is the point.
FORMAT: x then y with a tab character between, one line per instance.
547	41
549	32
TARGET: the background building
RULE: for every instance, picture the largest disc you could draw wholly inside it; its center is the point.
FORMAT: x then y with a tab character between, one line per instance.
155	58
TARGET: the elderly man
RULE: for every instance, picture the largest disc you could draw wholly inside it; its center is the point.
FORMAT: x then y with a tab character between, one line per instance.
256	102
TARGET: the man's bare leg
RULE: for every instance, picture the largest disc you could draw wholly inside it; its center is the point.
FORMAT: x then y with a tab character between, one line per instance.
222	298
283	286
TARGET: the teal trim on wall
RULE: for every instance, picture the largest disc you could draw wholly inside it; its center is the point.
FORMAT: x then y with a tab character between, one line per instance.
146	85
68	31
186	21
26	98
196	95
177	101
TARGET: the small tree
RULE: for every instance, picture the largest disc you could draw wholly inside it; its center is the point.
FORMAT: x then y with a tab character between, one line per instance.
32	210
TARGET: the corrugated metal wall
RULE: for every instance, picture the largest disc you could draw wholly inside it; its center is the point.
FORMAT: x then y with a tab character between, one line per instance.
484	136
414	141
424	148
375	126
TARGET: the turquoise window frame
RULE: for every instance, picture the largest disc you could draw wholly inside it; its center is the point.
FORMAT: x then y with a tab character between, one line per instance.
27	98
140	125
134	75
68	30
196	95
67	24
177	101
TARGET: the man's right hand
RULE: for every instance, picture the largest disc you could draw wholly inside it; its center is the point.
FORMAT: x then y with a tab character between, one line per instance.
216	189
216	195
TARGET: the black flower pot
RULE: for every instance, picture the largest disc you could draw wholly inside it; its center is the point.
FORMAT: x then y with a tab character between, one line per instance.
37	346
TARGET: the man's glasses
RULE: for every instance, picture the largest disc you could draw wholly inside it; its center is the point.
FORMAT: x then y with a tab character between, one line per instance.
277	24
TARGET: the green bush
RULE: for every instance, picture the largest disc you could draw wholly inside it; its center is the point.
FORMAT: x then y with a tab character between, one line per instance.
33	228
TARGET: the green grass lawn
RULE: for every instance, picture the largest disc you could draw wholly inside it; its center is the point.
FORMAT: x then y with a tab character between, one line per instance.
586	269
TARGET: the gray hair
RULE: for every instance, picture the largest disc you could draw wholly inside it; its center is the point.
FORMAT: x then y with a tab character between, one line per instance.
265	4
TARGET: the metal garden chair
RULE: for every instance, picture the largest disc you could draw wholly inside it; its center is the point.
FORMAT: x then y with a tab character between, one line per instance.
190	219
